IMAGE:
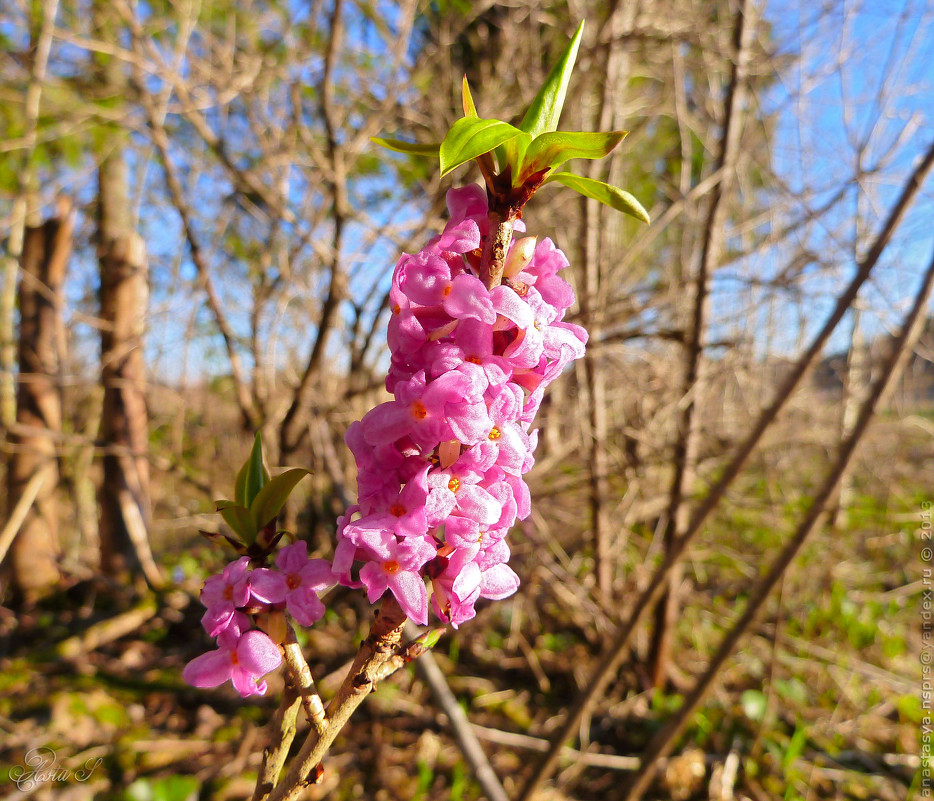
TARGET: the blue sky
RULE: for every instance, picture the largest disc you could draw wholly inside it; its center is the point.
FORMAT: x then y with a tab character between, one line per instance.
865	75
864	85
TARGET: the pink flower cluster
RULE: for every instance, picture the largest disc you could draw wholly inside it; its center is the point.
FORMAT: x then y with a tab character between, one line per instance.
244	655
440	466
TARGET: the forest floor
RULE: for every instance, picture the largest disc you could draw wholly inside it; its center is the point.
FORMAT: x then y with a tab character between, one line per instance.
822	700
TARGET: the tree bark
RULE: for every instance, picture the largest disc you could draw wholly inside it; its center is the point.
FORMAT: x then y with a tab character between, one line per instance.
35	551
124	295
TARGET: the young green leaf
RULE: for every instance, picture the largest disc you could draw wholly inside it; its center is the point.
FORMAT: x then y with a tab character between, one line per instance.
271	498
550	150
471	137
545	109
412	148
238	518
240	484
252	475
612	196
470	109
513	153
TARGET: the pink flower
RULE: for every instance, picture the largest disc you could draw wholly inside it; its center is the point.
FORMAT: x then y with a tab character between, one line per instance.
440	466
243	659
222	595
297	582
395	565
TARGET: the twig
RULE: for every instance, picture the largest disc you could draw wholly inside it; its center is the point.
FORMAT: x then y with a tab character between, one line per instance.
470	747
136	529
161	142
684	455
300	675
283	728
514	740
107	631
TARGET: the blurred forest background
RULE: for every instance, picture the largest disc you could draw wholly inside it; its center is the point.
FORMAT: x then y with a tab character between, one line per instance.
720	591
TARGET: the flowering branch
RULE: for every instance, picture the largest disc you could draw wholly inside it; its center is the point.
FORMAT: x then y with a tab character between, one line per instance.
477	333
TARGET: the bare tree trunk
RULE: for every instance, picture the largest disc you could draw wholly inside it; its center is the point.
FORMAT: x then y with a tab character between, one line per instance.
35	551
666	612
39	52
597	263
124	295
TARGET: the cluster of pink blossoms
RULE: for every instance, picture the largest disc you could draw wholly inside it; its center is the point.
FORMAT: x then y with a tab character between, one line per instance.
244	654
440	467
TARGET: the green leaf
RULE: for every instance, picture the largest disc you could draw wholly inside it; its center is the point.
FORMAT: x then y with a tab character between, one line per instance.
429	639
252	476
412	148
612	196
271	498
470	110
513	153
545	109
471	137
550	150
172	788
238	518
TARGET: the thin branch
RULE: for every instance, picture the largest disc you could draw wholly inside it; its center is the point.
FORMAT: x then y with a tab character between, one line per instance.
23	505
283	728
337	290
470	747
685	446
378	648
300	676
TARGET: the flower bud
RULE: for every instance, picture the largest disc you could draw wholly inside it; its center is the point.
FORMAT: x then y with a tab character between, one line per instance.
448	452
520	254
273	623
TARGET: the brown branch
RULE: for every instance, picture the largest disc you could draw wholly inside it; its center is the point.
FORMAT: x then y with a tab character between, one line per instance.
661	744
42	43
606	668
379	647
466	738
495	248
283	728
300	676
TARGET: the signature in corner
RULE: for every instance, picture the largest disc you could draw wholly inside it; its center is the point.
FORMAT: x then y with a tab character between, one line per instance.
40	767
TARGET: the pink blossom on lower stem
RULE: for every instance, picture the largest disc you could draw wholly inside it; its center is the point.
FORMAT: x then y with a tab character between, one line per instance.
222	594
297	582
242	659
